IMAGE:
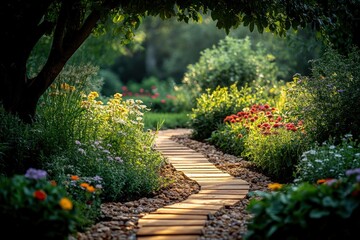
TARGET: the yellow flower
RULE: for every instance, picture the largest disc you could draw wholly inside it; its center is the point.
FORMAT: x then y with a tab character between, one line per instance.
65	203
93	95
275	186
117	95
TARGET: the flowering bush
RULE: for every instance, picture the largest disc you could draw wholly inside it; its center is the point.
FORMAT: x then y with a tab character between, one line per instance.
328	160
330	210
213	107
262	134
231	136
36	207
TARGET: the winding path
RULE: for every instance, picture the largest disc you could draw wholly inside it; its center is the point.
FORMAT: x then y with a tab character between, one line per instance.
185	220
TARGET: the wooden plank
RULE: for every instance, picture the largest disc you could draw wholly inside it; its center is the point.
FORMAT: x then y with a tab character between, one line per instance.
221	192
167	222
218	181
226	187
208	175
170	230
214	180
173	237
217	196
184	211
224	202
195	166
175	216
194	206
189	157
200	171
187	161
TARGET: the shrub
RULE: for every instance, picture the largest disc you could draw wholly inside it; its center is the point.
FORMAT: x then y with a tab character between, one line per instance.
231	136
328	99
213	107
330	210
34	206
276	148
232	61
328	160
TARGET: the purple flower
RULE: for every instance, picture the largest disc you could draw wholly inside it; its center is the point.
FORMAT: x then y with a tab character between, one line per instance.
352	172
33	173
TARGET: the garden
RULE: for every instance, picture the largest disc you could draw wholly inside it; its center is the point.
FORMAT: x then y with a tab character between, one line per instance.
78	138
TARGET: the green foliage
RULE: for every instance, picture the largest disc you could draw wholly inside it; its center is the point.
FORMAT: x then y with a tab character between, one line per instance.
32	205
232	61
276	153
153	120
77	134
307	211
19	147
332	96
328	160
229	138
213	107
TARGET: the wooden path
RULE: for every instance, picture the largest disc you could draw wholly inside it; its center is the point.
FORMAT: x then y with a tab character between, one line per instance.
185	220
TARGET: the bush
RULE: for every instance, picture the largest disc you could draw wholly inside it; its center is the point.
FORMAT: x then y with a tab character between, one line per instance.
232	61
328	99
231	136
213	107
328	160
34	206
330	210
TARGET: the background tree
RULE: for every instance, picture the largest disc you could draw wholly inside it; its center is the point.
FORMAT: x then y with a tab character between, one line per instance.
70	23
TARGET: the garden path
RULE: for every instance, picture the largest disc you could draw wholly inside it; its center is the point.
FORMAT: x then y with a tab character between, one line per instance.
185	220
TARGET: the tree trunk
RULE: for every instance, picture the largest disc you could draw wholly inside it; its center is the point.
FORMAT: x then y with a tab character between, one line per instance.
17	95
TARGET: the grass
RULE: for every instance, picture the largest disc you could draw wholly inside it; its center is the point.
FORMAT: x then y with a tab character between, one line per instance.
166	120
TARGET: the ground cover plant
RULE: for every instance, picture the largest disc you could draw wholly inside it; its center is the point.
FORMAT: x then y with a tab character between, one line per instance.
328	209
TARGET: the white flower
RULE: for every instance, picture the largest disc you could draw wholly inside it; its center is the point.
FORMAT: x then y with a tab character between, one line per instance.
357	154
318	161
82	151
77	142
350	147
348	135
313	152
332	147
337	155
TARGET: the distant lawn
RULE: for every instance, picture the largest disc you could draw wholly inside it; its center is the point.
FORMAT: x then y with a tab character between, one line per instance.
168	120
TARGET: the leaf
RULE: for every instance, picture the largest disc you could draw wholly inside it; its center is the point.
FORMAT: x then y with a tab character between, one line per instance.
118	18
251	27
316	213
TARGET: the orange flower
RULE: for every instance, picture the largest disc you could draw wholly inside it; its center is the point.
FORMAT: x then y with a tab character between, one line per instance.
275	186
74	177
84	185
53	183
65	203
40	195
321	181
90	189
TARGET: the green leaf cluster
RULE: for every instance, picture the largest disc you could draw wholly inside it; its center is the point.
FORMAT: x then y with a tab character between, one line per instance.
307	211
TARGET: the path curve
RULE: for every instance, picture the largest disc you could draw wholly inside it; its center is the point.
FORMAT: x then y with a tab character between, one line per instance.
185	220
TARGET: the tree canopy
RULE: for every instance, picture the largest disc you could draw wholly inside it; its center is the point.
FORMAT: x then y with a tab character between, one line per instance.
71	22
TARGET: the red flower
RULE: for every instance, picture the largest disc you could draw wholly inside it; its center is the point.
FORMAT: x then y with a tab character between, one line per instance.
40	195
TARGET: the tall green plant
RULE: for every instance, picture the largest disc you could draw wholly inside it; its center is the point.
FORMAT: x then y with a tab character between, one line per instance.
328	99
